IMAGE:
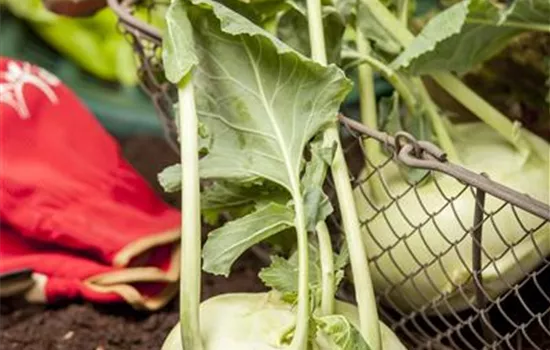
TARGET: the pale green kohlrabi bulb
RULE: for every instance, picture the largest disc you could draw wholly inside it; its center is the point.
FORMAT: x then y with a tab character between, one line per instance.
416	267
258	321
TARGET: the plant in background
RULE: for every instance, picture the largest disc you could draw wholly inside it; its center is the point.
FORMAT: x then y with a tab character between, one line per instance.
455	40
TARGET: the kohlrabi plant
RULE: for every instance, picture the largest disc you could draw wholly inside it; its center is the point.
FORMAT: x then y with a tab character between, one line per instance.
421	254
260	84
261	117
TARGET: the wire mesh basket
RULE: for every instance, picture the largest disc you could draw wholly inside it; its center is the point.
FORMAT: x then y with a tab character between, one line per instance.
480	282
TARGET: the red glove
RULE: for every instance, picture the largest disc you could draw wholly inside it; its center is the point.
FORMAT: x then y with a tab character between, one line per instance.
59	275
65	184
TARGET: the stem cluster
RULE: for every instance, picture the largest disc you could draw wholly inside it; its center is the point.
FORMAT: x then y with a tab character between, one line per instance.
368	314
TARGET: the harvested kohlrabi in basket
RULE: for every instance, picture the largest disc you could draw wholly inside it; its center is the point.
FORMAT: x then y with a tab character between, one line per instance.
253	107
423	254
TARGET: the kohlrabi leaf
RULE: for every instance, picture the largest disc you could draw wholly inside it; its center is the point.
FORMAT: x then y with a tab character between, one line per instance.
178	40
260	100
372	29
282	274
170	178
261	12
316	203
321	159
227	243
389	118
317	207
339	334
225	195
292	28
469	33
346	8
527	14
342	260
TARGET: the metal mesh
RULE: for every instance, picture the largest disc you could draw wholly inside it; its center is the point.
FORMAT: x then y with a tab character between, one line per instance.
458	261
501	298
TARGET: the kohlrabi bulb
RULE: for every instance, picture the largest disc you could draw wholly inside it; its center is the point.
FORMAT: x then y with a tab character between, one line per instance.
259	321
415	267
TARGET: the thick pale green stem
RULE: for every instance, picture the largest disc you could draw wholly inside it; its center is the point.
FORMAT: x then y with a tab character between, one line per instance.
369	116
190	286
437	122
366	301
403	11
327	269
299	341
480	107
454	86
389	74
364	289
394	27
316	32
405	94
541	27
367	94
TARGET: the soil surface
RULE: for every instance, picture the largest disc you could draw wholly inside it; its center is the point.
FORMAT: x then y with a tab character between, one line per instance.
83	326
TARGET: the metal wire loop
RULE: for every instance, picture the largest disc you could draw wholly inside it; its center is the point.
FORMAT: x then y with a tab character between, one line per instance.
402	137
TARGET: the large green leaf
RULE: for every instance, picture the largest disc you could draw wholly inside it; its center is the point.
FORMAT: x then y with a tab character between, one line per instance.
238	199
261	12
227	243
222	194
469	33
260	100
178	51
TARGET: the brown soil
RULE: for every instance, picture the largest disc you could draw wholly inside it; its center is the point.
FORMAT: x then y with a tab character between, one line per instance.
83	326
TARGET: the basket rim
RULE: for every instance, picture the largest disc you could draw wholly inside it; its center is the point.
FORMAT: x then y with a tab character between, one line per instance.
122	9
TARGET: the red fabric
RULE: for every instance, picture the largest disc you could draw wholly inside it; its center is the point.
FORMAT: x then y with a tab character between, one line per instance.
65	185
65	272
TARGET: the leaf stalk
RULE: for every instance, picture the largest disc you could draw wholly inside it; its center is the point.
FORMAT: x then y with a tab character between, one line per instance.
367	105
327	269
368	313
190	286
436	121
299	340
540	27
